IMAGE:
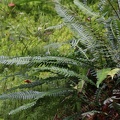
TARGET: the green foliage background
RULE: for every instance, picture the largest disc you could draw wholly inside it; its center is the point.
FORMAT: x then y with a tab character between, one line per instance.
32	32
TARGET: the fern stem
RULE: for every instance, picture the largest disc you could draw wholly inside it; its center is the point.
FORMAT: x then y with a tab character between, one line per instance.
114	9
82	52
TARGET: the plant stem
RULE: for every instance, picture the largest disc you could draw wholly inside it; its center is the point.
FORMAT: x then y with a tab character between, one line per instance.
114	9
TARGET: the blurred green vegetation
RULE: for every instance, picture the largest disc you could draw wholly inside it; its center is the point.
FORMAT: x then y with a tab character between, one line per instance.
33	28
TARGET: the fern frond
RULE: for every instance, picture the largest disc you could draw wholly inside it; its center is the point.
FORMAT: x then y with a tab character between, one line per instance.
85	37
22	95
85	9
53	60
116	30
15	60
61	60
110	34
106	52
57	92
36	59
63	13
57	70
102	5
3	59
35	94
23	107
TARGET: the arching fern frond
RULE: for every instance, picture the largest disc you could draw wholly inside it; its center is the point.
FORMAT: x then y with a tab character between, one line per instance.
37	59
111	34
57	70
86	37
59	92
22	95
55	59
105	52
23	107
35	94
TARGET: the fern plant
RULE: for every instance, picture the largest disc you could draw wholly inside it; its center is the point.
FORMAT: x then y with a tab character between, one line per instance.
87	82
